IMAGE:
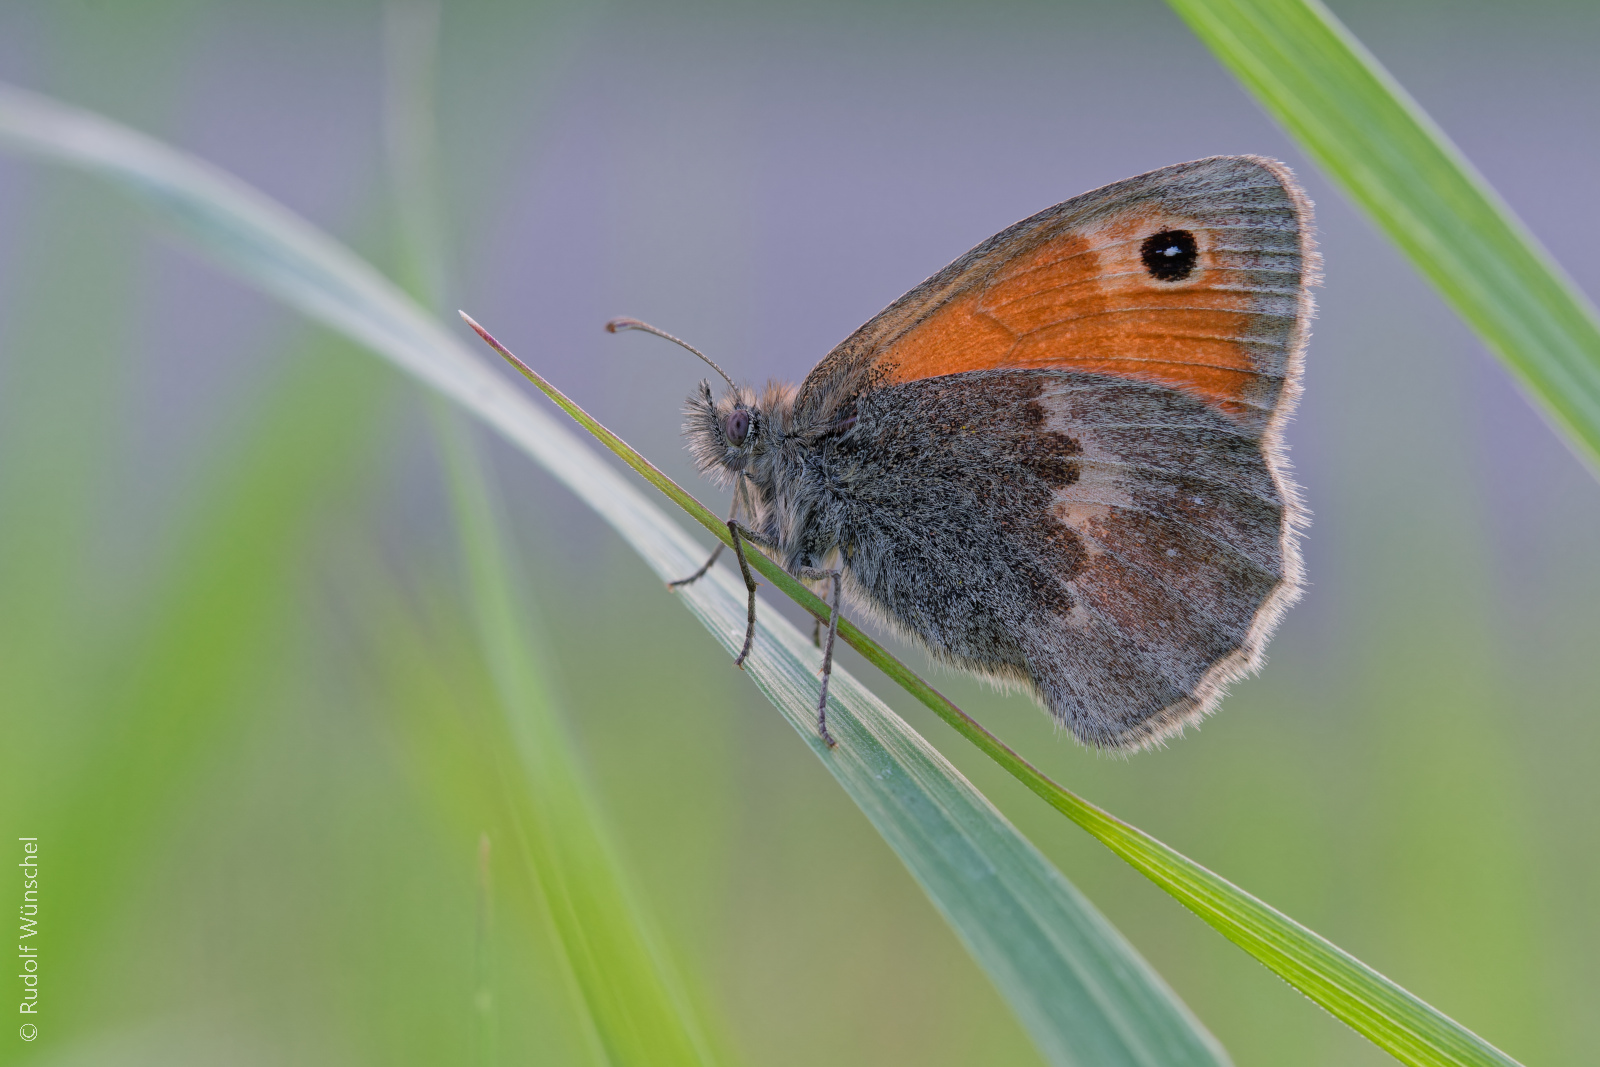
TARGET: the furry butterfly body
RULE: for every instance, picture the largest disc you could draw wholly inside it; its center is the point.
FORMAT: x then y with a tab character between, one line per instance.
1058	461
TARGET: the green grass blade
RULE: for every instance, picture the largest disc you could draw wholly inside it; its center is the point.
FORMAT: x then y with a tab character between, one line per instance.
639	1009
1364	130
1084	994
624	992
1375	1007
1369	1003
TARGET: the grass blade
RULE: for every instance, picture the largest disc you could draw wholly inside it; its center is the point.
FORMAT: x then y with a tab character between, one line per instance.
624	992
1365	131
1371	1004
1084	994
639	1011
1078	987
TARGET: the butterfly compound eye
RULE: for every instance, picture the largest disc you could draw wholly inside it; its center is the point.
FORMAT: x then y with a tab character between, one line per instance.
737	426
1170	255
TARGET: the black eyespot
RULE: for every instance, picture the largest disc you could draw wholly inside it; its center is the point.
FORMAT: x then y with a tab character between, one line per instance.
737	426
1170	255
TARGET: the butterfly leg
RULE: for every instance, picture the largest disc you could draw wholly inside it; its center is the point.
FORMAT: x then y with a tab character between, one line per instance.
827	650
733	511
750	585
701	573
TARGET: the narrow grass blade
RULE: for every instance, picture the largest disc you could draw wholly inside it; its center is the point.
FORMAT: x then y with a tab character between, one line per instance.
1367	133
1371	1004
639	1009
1084	994
624	991
886	766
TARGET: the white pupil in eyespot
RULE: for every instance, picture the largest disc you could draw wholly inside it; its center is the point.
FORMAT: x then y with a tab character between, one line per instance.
1172	251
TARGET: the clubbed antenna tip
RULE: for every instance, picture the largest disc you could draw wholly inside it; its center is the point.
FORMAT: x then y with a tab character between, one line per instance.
625	323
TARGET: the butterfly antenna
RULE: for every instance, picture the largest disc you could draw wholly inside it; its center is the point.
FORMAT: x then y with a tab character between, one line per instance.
634	324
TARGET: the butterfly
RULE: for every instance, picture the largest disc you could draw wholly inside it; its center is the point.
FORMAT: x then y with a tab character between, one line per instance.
1058	463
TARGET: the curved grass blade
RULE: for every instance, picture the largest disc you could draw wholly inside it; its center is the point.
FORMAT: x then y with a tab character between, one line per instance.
639	1009
1367	133
1367	1001
1372	1005
625	994
1084	994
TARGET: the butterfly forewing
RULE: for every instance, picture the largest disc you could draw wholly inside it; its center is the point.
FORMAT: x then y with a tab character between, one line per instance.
1072	288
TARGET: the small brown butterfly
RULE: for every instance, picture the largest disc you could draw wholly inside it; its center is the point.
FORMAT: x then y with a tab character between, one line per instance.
1059	461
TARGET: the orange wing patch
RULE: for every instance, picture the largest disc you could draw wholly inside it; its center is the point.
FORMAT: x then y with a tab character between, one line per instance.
1084	300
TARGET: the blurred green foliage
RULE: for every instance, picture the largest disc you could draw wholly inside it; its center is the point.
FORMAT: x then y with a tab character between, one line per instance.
234	678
